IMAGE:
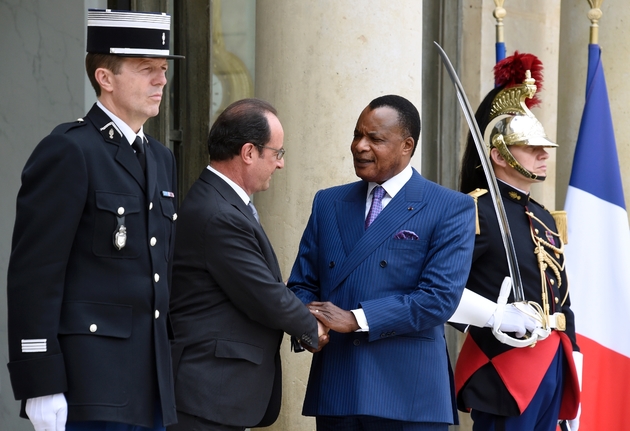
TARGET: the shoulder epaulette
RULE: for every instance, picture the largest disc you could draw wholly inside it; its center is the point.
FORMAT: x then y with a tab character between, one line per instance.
63	128
475	195
478	192
560	217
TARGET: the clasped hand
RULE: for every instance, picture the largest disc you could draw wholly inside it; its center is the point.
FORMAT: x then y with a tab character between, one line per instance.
329	316
333	317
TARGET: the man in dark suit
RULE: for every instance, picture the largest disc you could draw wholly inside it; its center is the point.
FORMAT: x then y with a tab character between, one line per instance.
383	263
229	305
88	275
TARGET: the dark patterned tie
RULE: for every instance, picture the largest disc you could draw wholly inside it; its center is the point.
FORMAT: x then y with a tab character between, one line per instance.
377	205
138	146
253	208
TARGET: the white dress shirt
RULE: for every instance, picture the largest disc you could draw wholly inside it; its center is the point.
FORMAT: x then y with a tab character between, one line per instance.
238	189
122	127
392	187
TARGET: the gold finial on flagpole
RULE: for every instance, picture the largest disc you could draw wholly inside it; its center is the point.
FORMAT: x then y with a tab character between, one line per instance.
594	15
498	14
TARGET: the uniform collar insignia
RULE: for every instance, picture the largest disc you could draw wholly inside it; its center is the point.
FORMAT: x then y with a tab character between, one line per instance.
513	194
112	126
111	131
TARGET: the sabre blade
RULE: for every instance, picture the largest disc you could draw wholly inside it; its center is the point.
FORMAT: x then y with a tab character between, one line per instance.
504	226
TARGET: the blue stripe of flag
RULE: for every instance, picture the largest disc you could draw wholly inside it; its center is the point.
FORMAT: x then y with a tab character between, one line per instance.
595	164
499	49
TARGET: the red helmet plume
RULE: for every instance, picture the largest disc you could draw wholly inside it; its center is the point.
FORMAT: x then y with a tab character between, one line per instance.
511	71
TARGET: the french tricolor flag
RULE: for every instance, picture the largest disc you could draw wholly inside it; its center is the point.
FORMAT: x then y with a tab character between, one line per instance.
598	261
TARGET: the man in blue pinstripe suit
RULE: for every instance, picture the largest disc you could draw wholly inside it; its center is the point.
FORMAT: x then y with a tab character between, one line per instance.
383	263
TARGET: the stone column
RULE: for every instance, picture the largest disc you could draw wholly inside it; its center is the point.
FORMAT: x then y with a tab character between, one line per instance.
574	39
320	63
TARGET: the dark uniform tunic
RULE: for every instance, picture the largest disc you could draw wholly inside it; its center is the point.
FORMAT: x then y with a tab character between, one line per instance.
493	377
86	318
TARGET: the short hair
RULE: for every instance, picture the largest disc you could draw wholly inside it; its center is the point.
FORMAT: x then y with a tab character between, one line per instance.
242	122
94	61
408	116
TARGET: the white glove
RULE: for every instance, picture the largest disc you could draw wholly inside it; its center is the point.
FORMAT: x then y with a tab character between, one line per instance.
515	320
578	358
48	413
526	308
474	309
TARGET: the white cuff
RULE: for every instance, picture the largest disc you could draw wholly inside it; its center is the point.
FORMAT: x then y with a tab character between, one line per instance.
359	314
473	309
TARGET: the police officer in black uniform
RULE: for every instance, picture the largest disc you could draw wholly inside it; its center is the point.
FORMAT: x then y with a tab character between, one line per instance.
88	279
507	388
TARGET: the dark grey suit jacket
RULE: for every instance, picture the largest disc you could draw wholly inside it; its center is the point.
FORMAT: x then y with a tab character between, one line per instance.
229	309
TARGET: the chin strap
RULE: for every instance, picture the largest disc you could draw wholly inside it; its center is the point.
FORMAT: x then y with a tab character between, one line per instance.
530	308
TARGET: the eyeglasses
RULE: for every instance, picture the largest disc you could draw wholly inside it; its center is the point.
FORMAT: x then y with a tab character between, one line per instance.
279	153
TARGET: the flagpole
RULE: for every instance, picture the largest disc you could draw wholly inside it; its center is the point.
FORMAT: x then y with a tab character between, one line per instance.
498	14
594	15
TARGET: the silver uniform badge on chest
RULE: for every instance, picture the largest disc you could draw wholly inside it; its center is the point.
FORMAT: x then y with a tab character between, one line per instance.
120	237
111	133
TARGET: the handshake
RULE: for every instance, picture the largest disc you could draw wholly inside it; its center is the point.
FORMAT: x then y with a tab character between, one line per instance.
329	316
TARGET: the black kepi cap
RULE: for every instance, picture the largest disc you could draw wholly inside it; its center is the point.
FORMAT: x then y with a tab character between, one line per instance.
129	33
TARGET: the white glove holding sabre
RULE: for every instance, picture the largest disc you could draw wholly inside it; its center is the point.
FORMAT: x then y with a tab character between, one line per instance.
520	318
48	413
515	320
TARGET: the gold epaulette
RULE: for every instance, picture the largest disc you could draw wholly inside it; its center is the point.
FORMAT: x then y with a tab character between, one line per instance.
475	195
560	217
